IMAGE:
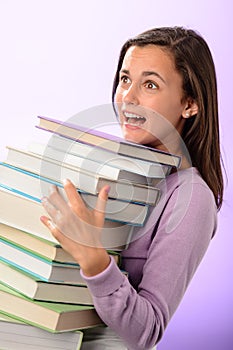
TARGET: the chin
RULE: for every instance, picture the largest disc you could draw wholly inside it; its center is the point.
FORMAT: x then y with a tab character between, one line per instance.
137	136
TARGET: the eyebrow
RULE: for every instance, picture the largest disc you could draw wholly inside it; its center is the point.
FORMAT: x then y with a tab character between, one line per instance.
146	74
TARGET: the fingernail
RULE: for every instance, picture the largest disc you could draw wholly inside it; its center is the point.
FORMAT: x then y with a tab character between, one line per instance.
51	224
65	182
107	189
52	189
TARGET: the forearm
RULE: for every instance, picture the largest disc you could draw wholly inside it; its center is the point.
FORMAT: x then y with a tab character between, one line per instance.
128	313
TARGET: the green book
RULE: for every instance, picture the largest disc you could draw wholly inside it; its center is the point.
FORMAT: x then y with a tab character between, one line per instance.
54	317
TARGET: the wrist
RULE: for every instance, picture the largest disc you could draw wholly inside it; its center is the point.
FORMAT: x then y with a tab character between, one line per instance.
96	261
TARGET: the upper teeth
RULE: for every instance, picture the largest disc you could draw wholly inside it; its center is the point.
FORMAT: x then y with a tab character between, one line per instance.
131	115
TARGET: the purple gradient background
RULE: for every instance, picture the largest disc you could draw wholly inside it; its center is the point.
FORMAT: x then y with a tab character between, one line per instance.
59	57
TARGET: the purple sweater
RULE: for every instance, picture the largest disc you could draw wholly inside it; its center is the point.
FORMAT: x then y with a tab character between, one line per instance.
161	262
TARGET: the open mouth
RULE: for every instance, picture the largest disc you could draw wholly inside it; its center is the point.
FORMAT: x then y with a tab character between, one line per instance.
133	119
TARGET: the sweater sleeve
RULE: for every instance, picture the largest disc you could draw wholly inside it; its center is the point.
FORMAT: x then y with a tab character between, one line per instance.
140	316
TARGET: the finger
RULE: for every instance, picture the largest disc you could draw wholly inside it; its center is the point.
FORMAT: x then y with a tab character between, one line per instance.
73	196
52	228
101	202
47	222
56	199
49	207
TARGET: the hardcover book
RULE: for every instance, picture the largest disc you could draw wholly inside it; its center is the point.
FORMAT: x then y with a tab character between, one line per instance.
21	336
106	141
33	287
41	267
96	156
42	247
87	181
27	218
35	187
54	317
36	244
37	160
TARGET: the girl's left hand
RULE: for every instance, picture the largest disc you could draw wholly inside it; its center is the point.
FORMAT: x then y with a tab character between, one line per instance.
78	228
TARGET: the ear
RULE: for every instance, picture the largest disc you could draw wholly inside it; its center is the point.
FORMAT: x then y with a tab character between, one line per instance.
191	109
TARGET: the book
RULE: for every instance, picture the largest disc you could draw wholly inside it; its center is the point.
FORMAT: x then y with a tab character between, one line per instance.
21	336
42	247
33	287
108	142
26	218
41	267
47	270
87	181
54	317
35	161
95	156
35	187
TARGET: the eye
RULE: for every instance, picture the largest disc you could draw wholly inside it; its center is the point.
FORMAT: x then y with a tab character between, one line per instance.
124	79
151	85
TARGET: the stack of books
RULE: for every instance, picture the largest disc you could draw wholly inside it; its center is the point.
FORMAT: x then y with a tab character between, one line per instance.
41	290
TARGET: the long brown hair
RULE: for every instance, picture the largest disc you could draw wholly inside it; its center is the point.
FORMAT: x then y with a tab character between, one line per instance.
193	60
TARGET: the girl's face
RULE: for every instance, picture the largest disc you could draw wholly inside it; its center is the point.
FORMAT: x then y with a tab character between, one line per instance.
149	98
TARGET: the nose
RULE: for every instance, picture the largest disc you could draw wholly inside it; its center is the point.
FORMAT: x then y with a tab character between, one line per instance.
130	95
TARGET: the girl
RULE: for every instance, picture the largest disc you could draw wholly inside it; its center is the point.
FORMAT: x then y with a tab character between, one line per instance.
165	96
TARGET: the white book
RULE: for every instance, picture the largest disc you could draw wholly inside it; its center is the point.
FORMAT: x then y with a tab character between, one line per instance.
36	187
134	165
37	160
107	142
16	335
84	180
42	268
44	248
35	288
23	213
